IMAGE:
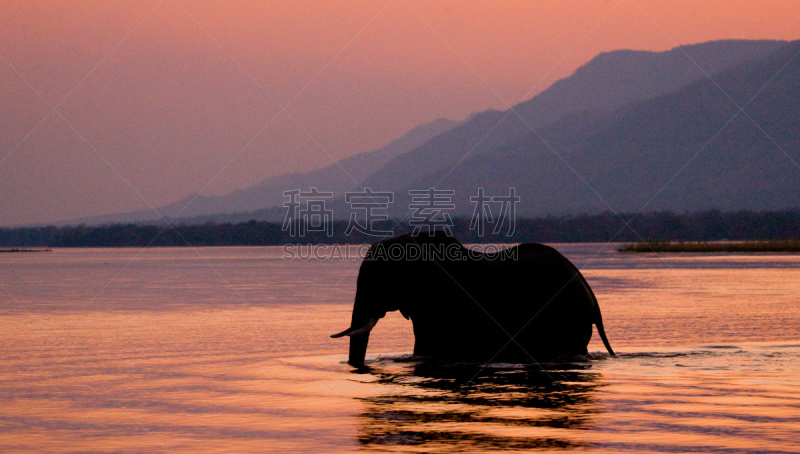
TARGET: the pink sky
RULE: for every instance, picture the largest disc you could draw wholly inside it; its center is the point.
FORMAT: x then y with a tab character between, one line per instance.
159	99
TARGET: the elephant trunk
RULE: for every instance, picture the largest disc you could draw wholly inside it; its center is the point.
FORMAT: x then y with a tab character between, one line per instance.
360	326
358	349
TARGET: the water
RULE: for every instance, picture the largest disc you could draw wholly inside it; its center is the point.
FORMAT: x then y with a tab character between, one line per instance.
227	350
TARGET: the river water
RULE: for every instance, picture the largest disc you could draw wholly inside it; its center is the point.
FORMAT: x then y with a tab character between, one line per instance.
228	350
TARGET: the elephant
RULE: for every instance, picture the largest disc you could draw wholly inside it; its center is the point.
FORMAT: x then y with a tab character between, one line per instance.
521	304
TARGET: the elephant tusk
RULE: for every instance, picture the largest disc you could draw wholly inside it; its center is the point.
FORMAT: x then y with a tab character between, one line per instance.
357	331
343	333
364	329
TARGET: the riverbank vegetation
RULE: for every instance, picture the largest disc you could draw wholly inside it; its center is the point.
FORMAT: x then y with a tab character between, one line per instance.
663	227
25	250
715	246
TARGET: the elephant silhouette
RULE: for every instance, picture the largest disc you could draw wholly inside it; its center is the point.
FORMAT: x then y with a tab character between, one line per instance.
520	304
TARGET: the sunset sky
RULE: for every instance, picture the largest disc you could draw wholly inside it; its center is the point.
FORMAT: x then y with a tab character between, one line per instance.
155	100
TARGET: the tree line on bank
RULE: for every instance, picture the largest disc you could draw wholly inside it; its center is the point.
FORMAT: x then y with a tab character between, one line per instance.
663	226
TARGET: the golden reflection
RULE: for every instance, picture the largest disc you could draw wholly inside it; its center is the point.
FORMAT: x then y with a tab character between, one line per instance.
172	357
433	406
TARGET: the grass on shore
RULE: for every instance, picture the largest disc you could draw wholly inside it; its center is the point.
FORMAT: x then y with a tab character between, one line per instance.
715	246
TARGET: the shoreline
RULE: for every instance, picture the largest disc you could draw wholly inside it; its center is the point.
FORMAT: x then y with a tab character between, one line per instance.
713	246
25	250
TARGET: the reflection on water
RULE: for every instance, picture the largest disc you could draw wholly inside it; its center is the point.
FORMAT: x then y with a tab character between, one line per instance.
720	399
442	406
227	350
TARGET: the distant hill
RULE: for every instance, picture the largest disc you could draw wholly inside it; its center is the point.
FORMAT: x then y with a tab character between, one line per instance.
621	159
607	82
623	108
339	177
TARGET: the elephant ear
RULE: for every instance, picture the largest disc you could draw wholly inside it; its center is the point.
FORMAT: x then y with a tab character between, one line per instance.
404	313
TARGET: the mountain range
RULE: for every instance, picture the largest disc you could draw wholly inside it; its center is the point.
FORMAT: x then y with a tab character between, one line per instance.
729	141
628	131
337	177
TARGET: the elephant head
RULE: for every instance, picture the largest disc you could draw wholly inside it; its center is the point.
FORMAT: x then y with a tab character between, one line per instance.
387	268
369	307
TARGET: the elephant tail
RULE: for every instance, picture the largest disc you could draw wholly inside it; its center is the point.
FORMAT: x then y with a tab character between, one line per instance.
599	323
598	317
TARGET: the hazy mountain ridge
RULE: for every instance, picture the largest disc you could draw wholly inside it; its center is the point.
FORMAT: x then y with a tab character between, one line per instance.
498	148
638	149
607	82
337	177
